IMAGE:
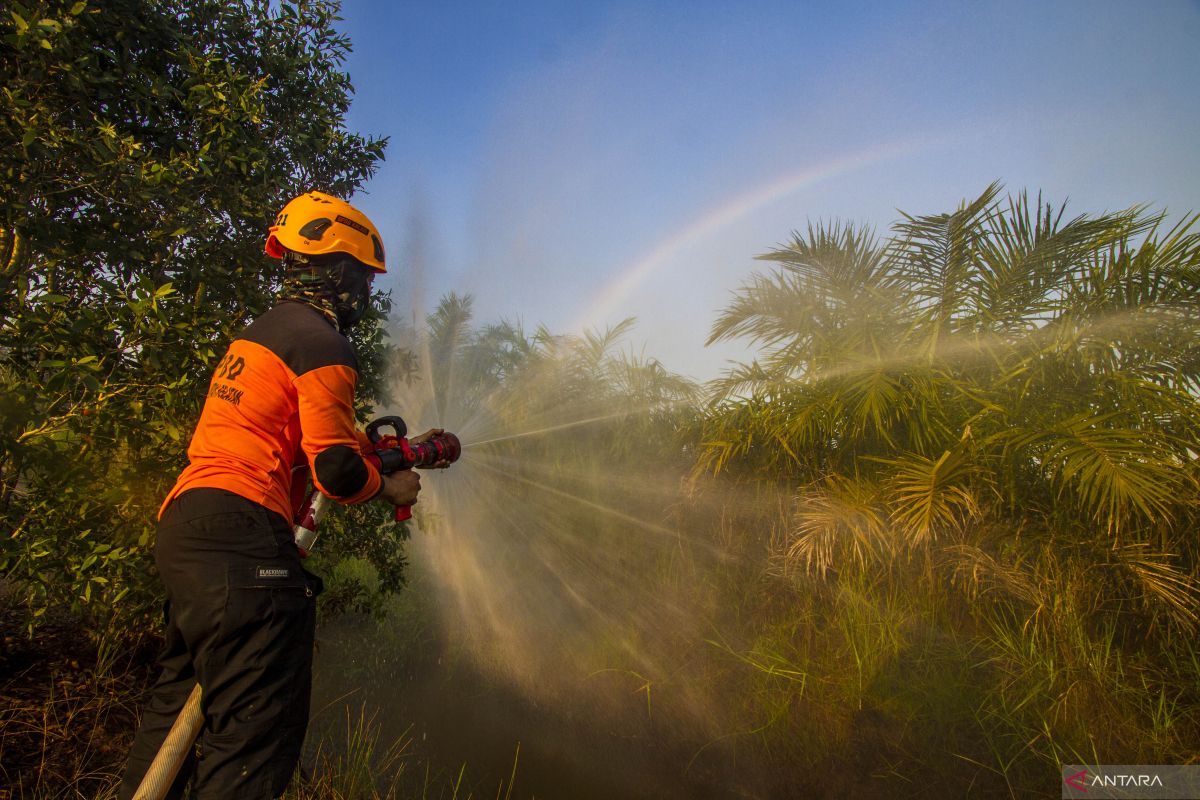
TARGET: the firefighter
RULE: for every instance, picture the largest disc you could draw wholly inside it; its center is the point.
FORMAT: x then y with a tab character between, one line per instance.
240	610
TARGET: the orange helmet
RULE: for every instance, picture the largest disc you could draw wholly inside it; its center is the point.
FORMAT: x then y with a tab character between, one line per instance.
317	223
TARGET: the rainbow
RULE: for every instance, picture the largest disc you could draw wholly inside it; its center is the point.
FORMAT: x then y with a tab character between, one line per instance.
715	219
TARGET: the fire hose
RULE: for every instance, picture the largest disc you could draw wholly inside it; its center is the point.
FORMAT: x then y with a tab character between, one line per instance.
392	453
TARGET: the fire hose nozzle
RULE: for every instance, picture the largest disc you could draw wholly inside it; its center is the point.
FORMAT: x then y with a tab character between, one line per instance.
393	452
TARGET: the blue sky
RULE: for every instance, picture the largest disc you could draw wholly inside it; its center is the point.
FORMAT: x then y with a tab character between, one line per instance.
573	163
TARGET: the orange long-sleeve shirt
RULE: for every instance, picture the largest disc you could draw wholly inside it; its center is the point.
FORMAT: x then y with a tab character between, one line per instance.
282	395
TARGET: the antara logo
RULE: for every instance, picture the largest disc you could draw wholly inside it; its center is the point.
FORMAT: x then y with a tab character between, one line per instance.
1077	781
1126	781
1122	780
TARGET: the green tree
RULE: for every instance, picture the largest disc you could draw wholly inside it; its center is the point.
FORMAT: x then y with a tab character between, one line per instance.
144	147
505	383
996	408
996	356
448	331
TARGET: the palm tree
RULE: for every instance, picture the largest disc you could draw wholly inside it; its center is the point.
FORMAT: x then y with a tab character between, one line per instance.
448	330
993	414
997	374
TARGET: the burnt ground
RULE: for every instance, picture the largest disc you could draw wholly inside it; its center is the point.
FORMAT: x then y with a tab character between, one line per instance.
66	720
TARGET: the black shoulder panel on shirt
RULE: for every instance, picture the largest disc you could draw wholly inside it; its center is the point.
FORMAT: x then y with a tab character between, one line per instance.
341	470
302	338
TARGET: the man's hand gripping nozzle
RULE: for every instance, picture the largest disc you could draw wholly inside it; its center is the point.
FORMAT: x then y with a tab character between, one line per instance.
393	452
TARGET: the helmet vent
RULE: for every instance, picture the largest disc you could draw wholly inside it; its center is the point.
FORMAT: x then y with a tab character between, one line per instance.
378	248
315	229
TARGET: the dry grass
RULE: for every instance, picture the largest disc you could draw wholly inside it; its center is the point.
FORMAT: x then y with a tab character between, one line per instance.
69	708
66	718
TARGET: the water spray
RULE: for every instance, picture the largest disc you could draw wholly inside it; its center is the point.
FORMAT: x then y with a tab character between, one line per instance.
577	423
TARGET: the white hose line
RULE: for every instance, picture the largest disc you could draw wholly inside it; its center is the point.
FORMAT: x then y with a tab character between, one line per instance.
174	750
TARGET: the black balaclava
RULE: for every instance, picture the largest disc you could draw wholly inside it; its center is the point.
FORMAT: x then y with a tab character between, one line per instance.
337	285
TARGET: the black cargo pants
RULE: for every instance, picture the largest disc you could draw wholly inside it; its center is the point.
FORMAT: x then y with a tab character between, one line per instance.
240	619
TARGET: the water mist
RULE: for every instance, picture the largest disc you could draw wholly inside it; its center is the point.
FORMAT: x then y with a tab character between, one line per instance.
567	599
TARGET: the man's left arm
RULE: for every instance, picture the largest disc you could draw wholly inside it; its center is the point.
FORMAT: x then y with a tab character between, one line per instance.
331	444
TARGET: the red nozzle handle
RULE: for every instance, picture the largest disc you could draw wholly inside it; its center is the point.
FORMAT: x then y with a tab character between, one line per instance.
403	513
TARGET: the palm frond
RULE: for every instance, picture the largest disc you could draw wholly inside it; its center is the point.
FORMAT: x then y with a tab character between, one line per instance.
1028	255
1134	269
979	573
840	259
597	343
649	384
448	323
933	257
1116	472
873	398
927	497
830	283
741	380
839	518
769	309
1164	585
